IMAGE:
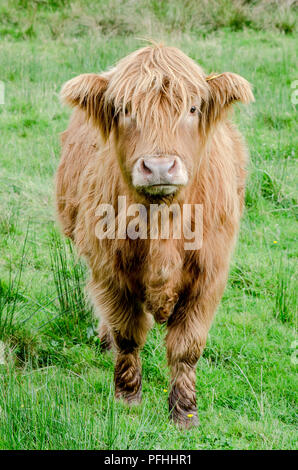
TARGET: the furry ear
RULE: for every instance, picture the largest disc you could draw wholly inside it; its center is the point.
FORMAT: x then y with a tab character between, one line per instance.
87	92
225	89
228	87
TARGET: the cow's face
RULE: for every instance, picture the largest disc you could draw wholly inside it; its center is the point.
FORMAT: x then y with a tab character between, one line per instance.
156	109
158	159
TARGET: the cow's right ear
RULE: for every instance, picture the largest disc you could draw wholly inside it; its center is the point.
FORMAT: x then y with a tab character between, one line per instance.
87	92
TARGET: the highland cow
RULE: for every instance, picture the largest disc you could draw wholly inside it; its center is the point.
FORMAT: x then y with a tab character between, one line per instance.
154	129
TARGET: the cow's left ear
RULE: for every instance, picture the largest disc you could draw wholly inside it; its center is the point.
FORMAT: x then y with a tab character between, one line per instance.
87	92
226	88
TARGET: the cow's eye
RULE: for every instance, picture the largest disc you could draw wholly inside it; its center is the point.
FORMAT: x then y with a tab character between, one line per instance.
193	109
125	111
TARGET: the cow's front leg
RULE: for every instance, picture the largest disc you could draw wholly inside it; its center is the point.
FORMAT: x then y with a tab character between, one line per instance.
187	333
124	325
183	350
129	336
128	373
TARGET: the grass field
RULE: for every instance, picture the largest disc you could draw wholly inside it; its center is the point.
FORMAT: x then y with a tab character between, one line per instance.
56	387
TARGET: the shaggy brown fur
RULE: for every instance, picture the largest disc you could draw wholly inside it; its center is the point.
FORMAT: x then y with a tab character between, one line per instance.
142	107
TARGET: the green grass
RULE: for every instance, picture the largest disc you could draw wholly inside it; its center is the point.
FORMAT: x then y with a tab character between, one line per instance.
56	387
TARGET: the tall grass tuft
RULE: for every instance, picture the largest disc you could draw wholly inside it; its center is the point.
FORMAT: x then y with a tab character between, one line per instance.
285	298
73	319
10	296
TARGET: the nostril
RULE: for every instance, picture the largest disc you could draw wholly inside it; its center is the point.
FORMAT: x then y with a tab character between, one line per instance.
172	168
145	168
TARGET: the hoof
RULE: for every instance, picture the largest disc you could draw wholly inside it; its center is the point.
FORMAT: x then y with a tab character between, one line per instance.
182	408
129	398
185	420
128	380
